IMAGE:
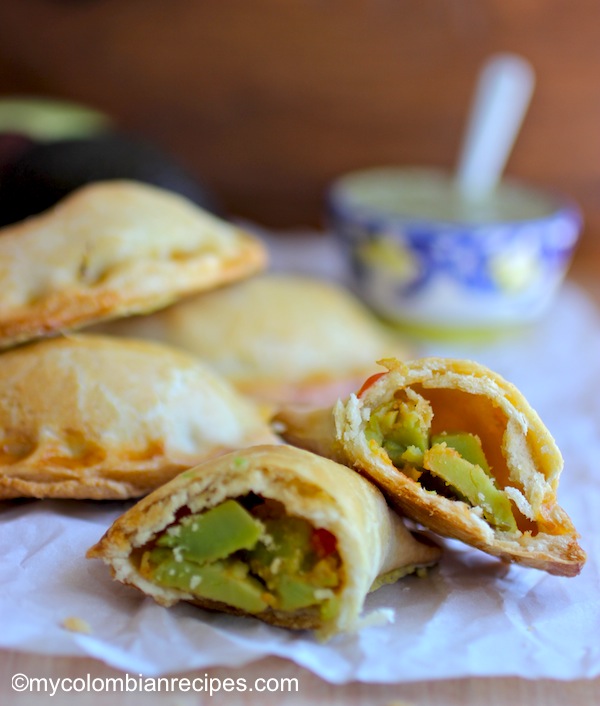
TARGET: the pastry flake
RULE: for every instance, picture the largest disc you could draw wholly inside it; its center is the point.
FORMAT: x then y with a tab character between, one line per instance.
274	532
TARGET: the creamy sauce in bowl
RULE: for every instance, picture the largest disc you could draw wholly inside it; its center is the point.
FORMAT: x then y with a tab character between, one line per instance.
433	195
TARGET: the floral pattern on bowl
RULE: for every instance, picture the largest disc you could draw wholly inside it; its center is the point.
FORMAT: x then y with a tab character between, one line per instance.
448	275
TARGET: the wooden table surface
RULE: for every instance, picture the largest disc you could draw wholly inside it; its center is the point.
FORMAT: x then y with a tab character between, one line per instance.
310	688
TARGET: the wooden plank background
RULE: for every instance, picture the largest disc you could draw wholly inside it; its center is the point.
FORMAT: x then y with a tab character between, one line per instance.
268	100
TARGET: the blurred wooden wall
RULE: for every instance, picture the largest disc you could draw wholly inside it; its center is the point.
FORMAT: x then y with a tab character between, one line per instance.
268	100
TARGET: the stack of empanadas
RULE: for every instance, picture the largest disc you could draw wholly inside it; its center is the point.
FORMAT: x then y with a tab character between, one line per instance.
285	535
234	519
98	417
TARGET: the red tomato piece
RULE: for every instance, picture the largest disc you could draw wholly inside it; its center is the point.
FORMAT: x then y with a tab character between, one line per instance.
368	382
324	543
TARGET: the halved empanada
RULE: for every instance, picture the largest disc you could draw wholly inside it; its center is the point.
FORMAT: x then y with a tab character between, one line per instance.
112	249
274	532
279	338
93	417
458	449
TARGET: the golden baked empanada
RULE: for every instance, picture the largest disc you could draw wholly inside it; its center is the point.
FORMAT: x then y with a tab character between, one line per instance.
112	249
279	338
94	417
275	532
458	449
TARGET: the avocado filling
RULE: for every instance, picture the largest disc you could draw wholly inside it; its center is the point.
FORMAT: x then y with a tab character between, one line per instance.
452	463
249	554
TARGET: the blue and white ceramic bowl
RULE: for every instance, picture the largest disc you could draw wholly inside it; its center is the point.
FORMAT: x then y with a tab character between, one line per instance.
423	256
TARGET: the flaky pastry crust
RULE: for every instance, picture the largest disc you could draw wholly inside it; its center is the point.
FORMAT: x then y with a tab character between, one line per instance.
101	418
281	338
371	538
113	249
468	397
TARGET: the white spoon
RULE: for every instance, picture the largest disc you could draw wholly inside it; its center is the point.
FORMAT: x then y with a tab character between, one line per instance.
502	95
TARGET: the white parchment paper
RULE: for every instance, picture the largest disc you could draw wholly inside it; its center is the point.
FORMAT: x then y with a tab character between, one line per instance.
470	617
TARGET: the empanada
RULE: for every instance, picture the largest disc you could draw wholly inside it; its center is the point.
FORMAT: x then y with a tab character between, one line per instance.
112	249
275	532
93	417
459	450
279	338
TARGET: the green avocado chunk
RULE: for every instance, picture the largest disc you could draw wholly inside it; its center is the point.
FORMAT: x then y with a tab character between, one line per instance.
228	555
214	534
225	581
399	428
294	593
402	428
472	483
287	542
287	563
468	446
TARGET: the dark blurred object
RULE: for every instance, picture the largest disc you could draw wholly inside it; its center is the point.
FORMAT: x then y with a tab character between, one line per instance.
12	147
47	172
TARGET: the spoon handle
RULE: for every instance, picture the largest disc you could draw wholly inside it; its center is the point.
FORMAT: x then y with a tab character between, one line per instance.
503	91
